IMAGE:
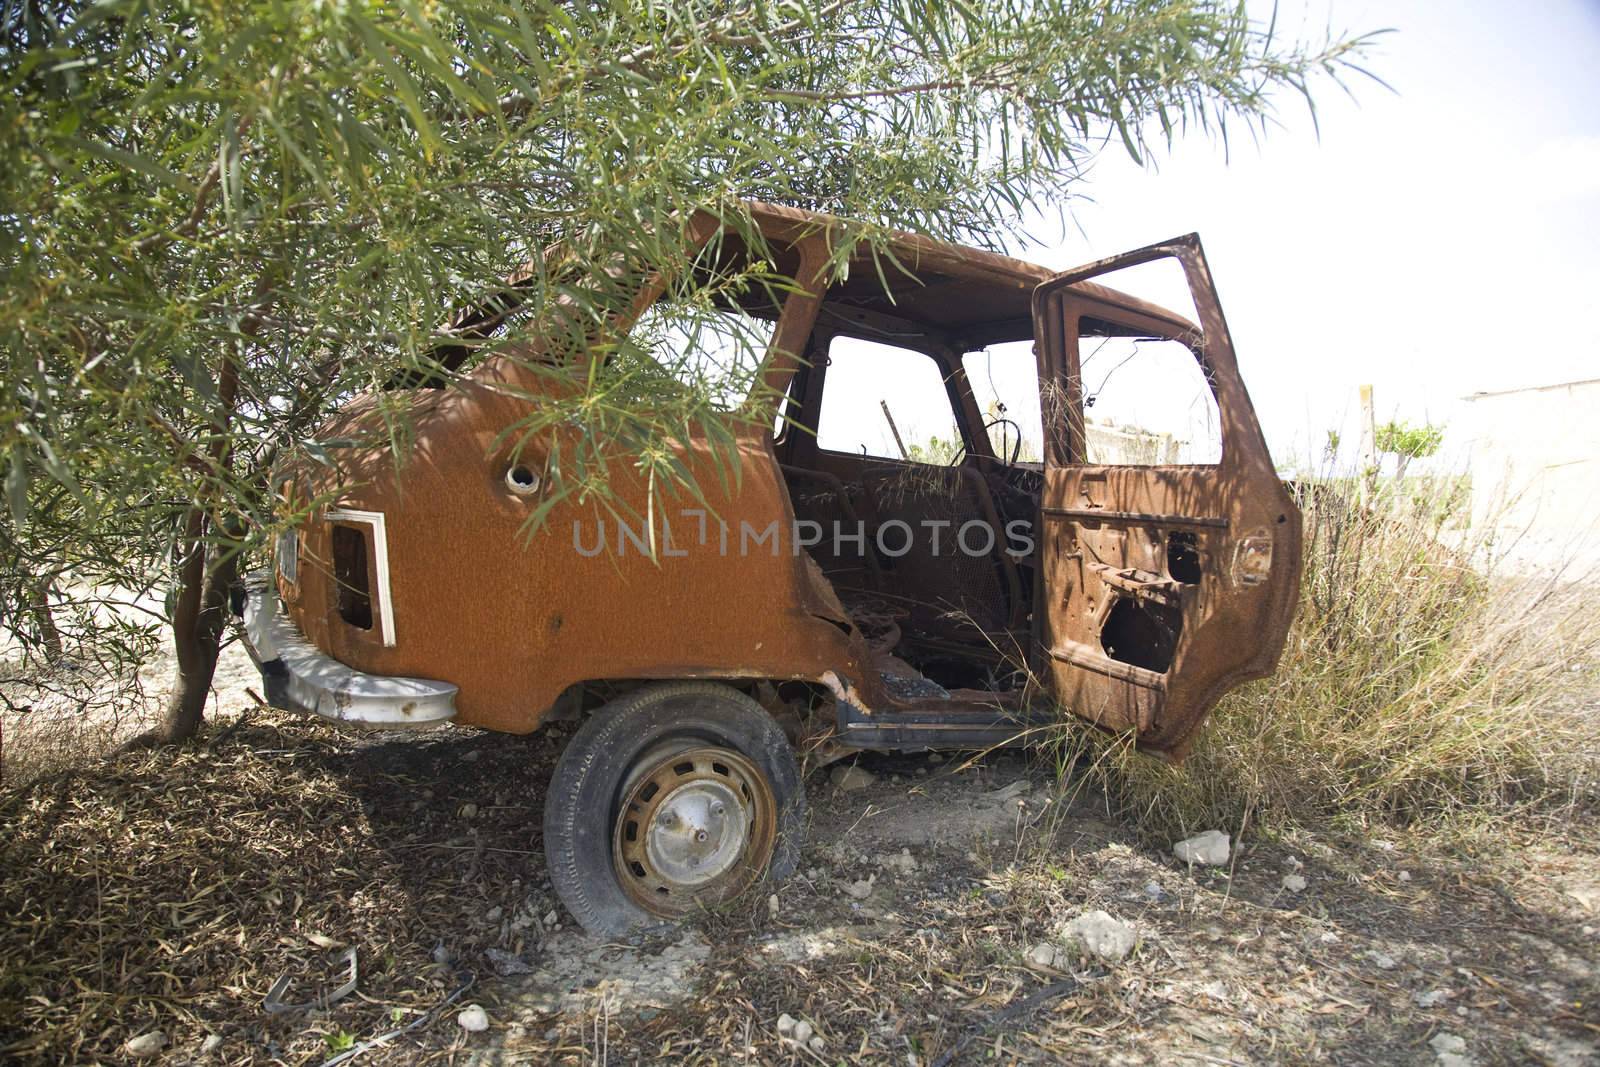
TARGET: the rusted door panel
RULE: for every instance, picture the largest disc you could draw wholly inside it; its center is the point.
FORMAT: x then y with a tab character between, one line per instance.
1164	586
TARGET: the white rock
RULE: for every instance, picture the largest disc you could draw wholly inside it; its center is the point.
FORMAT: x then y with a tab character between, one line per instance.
145	1045
473	1019
817	1044
210	1044
772	905
1432	998
802	1032
1383	961
848	779
1105	938
786	1025
1404	876
469	810
551	918
1450	1050
1294	883
1209	848
1042	955
1294	863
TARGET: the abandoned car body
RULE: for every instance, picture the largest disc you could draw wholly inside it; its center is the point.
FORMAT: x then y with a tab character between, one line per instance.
1129	590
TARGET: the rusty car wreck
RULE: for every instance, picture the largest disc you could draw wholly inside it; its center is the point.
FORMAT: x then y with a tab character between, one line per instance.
1134	595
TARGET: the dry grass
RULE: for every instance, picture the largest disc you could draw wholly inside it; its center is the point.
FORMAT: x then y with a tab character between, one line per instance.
1422	682
169	890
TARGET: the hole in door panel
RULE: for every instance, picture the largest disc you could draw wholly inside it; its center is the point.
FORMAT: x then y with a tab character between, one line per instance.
1141	633
1183	557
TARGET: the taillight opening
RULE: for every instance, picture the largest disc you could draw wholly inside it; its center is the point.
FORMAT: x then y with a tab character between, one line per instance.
350	574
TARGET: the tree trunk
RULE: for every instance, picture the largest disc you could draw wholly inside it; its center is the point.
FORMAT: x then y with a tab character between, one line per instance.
198	624
206	566
44	621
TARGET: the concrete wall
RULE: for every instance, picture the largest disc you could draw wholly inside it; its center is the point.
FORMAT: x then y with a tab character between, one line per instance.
1536	464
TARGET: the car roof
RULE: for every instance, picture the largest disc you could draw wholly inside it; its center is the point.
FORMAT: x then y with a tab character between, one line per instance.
974	295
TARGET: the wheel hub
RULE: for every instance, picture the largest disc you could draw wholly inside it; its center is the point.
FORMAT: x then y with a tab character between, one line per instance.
696	825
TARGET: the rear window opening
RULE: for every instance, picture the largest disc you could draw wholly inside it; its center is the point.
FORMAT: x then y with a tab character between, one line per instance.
350	575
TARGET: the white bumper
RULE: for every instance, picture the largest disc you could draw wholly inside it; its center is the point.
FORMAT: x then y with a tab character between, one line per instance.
298	677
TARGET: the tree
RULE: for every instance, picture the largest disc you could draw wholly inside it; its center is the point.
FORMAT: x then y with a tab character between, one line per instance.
1406	443
222	220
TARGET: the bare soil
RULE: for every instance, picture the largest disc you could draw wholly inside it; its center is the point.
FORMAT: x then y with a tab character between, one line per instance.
169	892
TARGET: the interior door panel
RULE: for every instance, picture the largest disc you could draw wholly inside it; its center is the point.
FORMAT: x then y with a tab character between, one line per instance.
1164	586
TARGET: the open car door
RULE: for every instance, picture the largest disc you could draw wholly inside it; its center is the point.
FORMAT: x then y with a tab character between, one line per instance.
1163	584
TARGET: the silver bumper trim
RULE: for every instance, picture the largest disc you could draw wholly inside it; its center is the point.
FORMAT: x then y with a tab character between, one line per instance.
299	677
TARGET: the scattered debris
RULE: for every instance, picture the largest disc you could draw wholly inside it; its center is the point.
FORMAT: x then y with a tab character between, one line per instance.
861	889
903	862
506	964
1015	789
1209	849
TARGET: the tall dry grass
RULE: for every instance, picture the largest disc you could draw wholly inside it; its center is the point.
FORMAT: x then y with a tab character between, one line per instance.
1426	678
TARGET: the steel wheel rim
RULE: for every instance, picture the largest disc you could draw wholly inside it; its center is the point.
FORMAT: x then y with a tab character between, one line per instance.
696	826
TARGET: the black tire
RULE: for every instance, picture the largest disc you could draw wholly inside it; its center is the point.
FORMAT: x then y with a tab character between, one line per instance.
585	796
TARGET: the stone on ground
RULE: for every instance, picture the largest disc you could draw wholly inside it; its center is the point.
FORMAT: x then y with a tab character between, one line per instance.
1102	936
1042	955
1450	1050
473	1019
1209	849
145	1045
848	779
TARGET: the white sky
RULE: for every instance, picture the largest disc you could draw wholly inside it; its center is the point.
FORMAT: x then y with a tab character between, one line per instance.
1437	240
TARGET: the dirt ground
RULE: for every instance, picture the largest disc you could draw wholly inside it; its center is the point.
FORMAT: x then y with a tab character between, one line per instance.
160	897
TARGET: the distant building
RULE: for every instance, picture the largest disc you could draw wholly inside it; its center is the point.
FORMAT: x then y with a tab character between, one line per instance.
1536	464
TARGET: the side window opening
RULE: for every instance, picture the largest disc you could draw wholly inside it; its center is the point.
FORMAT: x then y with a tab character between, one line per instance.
718	351
887	402
350	576
785	412
1005	382
1146	401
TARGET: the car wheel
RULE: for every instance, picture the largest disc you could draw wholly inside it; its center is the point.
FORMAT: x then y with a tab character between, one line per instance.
672	799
